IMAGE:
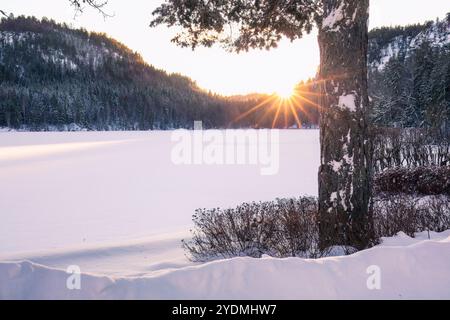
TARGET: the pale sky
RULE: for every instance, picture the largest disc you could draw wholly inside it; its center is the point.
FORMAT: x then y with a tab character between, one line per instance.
214	68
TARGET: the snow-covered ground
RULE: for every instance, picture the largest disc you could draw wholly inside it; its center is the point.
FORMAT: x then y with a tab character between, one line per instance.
116	205
402	268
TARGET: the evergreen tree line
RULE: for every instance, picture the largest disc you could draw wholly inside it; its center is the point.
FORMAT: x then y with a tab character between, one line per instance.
54	77
413	88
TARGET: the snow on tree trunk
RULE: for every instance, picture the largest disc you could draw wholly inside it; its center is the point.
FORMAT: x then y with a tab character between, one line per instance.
344	176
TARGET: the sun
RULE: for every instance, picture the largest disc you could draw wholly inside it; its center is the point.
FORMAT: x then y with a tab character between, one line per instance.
285	93
285	105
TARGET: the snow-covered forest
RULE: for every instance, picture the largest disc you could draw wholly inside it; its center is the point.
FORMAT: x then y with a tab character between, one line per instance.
409	75
57	78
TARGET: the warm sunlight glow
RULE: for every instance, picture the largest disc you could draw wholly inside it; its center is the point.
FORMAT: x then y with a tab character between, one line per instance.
286	108
285	93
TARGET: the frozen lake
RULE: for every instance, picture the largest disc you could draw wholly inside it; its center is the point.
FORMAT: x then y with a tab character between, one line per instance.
70	190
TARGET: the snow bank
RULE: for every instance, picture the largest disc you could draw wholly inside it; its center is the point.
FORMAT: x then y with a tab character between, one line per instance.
418	269
123	258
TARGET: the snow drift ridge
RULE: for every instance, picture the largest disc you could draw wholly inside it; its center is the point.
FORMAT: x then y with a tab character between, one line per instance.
417	271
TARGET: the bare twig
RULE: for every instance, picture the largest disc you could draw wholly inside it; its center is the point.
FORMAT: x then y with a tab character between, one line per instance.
96	4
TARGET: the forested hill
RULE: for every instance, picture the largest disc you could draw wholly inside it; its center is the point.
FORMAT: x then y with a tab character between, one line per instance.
55	77
409	74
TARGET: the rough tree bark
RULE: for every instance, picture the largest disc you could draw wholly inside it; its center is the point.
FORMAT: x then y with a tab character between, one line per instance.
344	175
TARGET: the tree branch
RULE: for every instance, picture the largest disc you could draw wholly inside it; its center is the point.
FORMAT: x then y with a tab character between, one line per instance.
96	4
258	23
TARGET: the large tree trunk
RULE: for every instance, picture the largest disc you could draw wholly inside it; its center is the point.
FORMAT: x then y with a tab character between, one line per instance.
345	172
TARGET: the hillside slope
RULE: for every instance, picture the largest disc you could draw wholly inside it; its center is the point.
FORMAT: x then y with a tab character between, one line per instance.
390	42
57	78
409	75
53	76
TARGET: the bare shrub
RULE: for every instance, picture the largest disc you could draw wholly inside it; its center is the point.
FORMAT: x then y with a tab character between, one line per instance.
409	148
410	214
420	180
435	214
297	229
394	214
290	227
281	228
242	231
